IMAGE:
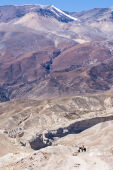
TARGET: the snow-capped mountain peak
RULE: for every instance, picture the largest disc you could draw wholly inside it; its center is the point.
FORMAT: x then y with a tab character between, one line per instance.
61	13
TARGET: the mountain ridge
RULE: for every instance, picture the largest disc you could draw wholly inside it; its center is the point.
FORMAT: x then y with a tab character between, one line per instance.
19	11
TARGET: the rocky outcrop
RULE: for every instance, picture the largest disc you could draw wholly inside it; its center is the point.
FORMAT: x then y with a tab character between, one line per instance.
14	133
4	95
40	141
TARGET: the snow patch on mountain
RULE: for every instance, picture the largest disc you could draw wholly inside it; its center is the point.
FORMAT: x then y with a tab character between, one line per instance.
62	13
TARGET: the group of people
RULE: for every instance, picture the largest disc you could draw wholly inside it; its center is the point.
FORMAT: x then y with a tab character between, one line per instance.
82	148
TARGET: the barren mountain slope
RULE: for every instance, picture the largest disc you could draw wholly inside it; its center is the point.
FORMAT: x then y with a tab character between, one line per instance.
45	52
52	71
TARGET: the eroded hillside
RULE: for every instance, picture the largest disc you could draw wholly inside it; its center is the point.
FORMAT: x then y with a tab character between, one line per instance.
30	125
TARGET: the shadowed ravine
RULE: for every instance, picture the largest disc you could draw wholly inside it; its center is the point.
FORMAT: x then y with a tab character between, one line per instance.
39	142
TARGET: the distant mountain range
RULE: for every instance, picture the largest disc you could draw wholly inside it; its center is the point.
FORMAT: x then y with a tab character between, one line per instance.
46	52
46	11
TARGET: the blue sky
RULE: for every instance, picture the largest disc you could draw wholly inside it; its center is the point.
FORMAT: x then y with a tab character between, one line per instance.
69	5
